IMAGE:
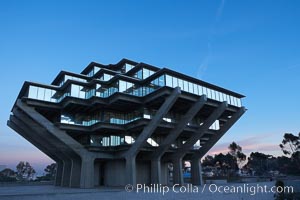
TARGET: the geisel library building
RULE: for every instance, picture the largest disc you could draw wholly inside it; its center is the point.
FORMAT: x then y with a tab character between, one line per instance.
124	123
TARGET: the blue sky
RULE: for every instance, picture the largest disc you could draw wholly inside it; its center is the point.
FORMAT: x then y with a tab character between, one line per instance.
251	47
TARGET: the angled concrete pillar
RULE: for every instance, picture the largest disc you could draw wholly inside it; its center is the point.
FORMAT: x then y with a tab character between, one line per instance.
179	127
196	172
171	137
61	136
131	170
196	163
177	171
200	131
155	171
55	146
66	174
29	134
72	164
59	172
75	173
87	172
152	125
16	125
214	139
130	155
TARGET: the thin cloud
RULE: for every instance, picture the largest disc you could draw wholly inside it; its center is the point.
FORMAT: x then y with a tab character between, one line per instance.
206	60
203	67
250	144
293	66
220	10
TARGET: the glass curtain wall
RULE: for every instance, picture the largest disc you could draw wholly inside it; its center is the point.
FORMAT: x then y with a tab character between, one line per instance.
93	71
104	90
106	141
68	77
101	116
143	73
197	89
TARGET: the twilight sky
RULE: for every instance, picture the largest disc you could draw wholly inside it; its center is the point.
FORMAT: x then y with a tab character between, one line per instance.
251	47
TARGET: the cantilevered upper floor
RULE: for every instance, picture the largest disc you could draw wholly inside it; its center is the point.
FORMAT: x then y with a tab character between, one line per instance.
128	77
113	103
128	112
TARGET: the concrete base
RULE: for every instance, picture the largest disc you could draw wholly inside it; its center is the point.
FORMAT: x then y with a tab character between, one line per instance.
113	173
83	167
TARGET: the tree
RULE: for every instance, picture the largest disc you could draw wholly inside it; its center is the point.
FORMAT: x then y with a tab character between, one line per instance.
259	162
290	143
7	175
234	148
50	171
236	151
290	146
208	161
284	164
25	171
225	163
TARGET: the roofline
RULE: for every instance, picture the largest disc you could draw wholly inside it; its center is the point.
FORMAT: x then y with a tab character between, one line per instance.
203	83
109	66
112	67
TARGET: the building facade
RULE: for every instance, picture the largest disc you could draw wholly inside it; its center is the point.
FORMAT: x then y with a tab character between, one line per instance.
125	123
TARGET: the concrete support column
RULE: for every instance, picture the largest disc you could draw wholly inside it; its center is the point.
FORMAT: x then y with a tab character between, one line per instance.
131	170
196	172
175	132
155	171
87	172
59	173
75	173
141	140
215	138
177	171
66	175
184	148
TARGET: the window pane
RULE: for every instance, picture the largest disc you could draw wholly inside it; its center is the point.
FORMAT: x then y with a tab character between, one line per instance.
77	91
186	86
195	89
224	97
32	92
106	77
129	87
175	82
41	93
239	102
151	72
213	94
204	90
128	67
231	100
145	73
191	90
122	86
200	92
161	80
139	74
180	83
221	96
74	90
228	98
48	95
217	96
169	81
81	92
209	93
